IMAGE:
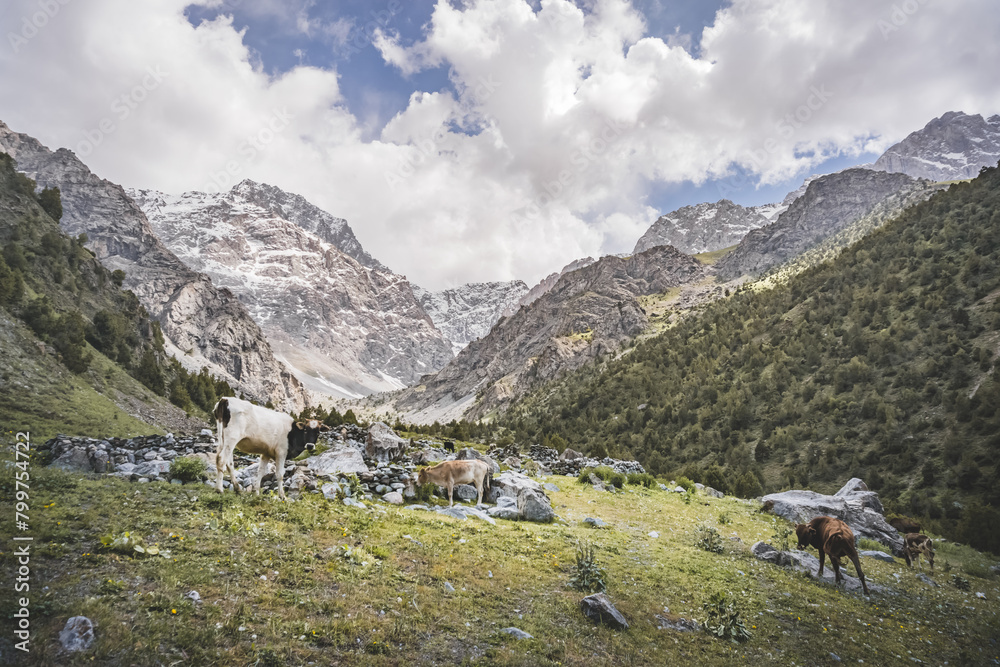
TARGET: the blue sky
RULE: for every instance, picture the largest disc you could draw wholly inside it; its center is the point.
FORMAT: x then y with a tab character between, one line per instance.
481	140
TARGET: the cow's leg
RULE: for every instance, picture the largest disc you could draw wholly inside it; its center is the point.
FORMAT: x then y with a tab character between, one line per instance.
861	575
822	559
451	489
232	474
279	472
261	471
836	568
220	467
479	488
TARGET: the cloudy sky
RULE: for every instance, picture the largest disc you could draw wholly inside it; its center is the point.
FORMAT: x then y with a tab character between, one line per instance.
491	139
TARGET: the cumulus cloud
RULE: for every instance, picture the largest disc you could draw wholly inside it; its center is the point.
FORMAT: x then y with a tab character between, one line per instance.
559	122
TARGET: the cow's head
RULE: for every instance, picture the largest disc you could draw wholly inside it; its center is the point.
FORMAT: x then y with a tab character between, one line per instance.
303	436
422	476
805	532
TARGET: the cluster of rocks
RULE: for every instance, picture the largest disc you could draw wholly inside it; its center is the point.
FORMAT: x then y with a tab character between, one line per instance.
570	462
143	458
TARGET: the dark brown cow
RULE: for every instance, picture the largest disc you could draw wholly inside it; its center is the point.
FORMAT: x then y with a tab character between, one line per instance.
917	544
831	536
904	525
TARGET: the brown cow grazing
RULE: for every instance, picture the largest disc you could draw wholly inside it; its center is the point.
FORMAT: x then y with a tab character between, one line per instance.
831	537
451	473
904	525
917	544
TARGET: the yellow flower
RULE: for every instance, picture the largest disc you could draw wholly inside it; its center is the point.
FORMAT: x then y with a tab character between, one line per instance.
173	611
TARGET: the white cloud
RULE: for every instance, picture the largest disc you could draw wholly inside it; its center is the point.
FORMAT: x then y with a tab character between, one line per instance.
561	122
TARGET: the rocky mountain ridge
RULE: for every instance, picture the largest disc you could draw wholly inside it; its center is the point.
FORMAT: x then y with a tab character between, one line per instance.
203	326
346	329
466	313
588	312
702	227
953	147
829	204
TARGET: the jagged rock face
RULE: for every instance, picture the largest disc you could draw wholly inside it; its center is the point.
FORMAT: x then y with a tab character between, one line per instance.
346	330
702	228
588	312
547	283
297	210
203	326
829	204
466	313
952	147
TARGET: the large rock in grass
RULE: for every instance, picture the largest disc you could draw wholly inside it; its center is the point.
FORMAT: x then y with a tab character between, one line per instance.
599	609
77	635
509	483
383	444
854	504
342	460
534	505
806	562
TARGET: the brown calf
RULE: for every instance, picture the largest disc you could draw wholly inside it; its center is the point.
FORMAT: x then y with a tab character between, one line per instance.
450	473
831	537
917	544
904	525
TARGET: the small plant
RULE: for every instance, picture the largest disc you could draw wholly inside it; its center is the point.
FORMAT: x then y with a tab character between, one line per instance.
529	468
782	532
268	657
724	620
686	484
725	519
129	544
425	492
188	469
375	647
111	587
865	544
641	479
710	540
960	582
946	567
587	576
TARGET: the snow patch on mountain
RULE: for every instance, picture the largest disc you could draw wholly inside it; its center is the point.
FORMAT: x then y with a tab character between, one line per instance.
464	314
702	228
953	147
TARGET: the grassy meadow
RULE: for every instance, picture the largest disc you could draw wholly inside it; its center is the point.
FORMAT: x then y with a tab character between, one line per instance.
315	581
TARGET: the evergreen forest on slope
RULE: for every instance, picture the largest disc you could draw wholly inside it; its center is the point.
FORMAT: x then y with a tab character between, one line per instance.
879	364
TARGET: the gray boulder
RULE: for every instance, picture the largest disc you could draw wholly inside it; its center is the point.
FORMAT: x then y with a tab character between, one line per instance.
599	609
570	455
465	492
383	444
805	562
517	633
74	459
342	460
534	505
509	483
878	555
77	635
393	498
506	508
854	504
709	491
679	624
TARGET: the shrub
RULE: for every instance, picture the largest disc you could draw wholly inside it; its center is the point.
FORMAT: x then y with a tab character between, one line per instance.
782	532
960	582
605	474
686	484
725	519
641	479
709	539
587	576
188	469
723	620
864	544
425	492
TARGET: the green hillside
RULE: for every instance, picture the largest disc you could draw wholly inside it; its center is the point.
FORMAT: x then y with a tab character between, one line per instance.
81	356
318	582
878	364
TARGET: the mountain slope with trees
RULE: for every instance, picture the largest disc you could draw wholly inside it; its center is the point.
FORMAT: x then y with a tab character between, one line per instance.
79	353
880	364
